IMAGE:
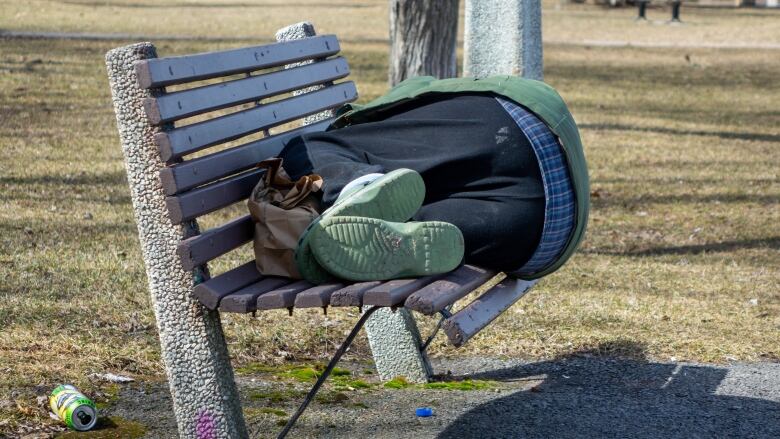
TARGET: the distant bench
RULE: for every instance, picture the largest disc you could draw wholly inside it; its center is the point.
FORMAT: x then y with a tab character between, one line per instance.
642	9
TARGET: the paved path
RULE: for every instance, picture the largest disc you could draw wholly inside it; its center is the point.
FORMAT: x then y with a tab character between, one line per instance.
584	43
577	397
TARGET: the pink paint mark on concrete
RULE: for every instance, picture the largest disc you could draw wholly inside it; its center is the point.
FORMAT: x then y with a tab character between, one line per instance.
205	425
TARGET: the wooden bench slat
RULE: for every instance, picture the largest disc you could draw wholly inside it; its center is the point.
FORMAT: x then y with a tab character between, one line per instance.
283	297
352	295
194	137
209	198
465	323
160	72
395	292
178	105
210	292
215	242
245	299
317	297
196	172
444	292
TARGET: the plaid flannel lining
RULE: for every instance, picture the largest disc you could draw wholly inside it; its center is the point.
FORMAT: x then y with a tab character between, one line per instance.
560	204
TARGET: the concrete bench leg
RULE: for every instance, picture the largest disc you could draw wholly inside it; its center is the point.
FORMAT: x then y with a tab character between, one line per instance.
393	336
395	345
205	398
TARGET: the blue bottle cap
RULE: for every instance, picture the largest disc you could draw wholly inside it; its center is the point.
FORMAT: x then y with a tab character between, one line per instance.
423	412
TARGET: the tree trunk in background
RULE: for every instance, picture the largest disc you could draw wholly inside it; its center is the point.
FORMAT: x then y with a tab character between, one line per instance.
423	38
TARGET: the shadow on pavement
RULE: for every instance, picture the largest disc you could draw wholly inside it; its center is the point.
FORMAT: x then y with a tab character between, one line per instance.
582	396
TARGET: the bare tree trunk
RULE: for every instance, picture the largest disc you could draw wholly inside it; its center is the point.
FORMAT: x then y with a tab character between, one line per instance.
423	38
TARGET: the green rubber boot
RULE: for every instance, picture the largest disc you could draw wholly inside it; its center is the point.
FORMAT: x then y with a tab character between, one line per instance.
363	249
395	196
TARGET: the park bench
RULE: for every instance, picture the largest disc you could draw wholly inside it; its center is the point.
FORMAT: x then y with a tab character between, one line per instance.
280	90
205	184
642	10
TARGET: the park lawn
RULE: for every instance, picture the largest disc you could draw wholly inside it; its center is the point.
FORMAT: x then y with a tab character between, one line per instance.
366	20
680	261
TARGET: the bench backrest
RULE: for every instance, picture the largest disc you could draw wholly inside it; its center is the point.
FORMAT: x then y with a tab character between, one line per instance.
198	186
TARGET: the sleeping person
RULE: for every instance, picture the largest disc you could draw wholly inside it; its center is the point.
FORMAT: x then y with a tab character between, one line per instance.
438	172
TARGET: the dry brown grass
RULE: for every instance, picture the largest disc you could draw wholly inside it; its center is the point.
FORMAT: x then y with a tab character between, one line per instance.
359	21
681	259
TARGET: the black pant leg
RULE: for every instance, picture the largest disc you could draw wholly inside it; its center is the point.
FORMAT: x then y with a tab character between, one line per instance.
500	234
320	155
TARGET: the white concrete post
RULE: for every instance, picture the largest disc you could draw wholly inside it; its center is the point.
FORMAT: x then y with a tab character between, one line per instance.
299	31
205	398
393	336
503	37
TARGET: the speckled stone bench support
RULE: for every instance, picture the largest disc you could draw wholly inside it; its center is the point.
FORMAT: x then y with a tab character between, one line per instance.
395	345
205	398
393	336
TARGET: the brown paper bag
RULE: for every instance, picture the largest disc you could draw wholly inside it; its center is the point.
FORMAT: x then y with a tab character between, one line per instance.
281	210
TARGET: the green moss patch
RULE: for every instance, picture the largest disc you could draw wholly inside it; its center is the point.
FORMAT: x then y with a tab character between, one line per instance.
349	384
339	372
255	368
273	411
110	393
277	396
298	372
311	373
109	428
302	374
397	383
465	385
332	397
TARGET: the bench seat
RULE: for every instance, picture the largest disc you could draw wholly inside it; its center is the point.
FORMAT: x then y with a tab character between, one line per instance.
244	289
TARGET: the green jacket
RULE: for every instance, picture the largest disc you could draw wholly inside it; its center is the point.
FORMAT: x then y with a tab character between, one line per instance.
536	96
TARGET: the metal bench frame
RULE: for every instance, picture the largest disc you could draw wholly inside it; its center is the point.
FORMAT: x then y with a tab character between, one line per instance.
169	192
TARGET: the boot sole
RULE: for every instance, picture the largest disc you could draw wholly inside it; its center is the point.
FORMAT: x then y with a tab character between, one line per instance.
363	249
397	197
